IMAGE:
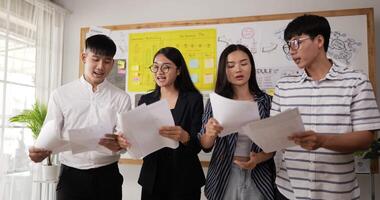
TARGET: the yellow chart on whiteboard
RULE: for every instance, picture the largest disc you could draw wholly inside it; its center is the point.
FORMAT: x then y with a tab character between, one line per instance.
198	46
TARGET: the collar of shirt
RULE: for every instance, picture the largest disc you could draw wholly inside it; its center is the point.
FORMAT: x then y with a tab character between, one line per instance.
99	87
331	75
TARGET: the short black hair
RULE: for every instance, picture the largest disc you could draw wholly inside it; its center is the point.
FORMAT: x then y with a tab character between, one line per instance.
101	45
223	87
183	81
311	25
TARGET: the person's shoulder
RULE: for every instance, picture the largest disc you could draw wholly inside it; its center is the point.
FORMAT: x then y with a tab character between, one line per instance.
193	95
264	97
349	72
149	97
117	91
290	77
67	86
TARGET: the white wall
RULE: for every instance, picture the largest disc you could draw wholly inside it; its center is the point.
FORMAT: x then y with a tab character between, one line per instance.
85	13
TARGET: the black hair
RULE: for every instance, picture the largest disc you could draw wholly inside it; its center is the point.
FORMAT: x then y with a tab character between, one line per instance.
183	82
223	87
101	45
312	25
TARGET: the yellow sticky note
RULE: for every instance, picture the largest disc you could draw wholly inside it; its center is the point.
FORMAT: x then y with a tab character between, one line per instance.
270	91
121	64
135	68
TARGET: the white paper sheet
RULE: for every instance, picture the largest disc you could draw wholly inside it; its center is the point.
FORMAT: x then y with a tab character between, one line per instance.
49	138
232	114
96	30
141	125
271	134
87	139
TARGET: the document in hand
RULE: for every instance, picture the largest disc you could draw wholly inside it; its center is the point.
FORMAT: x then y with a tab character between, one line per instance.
87	139
271	134
50	138
232	114
141	125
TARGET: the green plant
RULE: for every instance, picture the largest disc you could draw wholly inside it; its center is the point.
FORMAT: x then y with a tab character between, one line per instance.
33	119
373	151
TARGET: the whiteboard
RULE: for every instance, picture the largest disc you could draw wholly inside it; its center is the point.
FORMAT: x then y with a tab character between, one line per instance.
348	45
351	42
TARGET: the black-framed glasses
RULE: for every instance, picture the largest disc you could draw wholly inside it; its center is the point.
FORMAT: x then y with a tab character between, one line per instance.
293	44
164	68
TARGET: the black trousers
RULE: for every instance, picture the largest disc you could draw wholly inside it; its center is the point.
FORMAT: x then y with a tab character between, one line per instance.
103	183
196	195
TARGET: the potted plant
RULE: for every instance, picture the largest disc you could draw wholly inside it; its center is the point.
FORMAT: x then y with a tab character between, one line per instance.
370	156
373	151
34	119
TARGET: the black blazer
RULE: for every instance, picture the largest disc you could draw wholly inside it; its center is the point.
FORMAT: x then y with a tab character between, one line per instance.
176	171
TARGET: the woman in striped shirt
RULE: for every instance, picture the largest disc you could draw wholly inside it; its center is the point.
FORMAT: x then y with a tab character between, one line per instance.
239	169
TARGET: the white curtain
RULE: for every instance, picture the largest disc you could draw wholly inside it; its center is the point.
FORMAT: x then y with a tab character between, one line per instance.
39	23
49	20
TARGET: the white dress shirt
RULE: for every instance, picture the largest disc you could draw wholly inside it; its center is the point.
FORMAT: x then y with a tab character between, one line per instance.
77	106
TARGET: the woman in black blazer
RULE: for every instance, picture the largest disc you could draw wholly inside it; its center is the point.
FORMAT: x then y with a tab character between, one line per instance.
174	174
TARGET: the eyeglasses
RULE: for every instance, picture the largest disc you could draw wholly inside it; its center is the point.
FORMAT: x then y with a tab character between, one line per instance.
293	44
164	68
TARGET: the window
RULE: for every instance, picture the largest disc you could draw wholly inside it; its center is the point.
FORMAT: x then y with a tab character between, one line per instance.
17	76
31	40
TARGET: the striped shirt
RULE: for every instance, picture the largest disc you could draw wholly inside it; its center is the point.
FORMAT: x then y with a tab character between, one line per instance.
222	157
342	102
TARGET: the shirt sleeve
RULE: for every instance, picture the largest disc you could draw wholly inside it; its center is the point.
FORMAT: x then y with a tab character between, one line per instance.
364	110
125	106
54	111
196	123
276	106
205	117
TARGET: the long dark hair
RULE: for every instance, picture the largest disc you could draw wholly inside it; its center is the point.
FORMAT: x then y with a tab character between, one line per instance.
223	86
183	81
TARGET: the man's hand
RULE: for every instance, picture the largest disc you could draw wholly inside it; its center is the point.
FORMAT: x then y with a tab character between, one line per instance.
37	154
110	142
309	140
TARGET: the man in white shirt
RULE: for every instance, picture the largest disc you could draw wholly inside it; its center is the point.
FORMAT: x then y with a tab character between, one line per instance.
86	102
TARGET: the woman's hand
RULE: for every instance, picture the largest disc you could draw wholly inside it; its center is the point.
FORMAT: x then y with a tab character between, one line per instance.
254	160
250	164
122	141
213	128
176	133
